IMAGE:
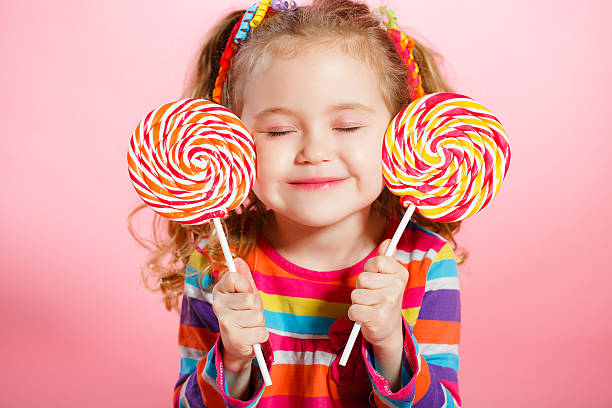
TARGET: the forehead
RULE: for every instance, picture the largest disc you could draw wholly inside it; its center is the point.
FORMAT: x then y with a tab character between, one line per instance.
318	76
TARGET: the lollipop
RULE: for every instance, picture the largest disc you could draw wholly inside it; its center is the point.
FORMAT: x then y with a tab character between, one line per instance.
445	155
192	161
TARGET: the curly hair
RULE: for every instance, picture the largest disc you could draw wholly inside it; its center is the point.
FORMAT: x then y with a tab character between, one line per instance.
348	23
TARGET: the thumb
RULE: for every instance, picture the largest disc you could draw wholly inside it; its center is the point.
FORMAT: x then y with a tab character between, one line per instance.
243	269
382	248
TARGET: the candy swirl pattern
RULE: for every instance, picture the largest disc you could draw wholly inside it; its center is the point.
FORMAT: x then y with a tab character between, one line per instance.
192	160
447	155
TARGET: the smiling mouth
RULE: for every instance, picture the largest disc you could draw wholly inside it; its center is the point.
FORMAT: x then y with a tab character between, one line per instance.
316	180
319	183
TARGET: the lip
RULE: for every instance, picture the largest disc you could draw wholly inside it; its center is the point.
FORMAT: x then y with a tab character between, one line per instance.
316	183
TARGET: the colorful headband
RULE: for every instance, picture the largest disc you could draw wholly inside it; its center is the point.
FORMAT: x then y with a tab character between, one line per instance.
255	14
251	19
404	46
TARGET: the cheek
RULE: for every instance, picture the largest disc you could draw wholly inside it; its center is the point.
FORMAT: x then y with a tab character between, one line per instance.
366	157
365	160
271	164
263	186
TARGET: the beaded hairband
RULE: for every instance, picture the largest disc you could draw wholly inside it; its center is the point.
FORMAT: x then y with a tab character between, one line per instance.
251	19
255	14
404	46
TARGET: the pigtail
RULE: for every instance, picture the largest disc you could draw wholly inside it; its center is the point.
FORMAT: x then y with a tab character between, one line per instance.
202	80
429	63
168	256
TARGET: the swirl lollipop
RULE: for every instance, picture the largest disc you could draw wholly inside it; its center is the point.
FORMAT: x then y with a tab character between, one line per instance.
192	161
445	155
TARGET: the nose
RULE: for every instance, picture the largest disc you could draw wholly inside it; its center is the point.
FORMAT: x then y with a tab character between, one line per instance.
315	148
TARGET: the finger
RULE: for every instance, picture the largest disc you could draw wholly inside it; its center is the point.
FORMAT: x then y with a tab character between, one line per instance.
233	282
254	335
368	297
360	313
244	339
243	269
249	318
382	248
374	280
242	301
383	264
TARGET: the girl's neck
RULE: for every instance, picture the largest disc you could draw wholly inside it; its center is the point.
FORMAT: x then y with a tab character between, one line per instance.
332	247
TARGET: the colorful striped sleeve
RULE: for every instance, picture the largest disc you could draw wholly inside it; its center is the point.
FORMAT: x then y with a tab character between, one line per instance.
430	364
201	380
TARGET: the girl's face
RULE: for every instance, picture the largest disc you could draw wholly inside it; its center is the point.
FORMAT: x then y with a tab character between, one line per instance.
318	121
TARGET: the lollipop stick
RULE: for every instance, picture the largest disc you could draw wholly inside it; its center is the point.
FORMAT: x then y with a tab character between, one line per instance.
396	236
232	268
226	251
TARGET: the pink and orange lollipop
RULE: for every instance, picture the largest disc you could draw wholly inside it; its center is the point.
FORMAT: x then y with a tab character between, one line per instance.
446	156
192	161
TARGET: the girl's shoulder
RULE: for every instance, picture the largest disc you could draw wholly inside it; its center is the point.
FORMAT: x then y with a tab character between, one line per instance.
199	257
418	243
202	244
197	274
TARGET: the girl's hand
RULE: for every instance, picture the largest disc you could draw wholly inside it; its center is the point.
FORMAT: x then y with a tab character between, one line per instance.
239	310
377	301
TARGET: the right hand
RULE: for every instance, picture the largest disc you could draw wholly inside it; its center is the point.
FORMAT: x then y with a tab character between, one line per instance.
239	310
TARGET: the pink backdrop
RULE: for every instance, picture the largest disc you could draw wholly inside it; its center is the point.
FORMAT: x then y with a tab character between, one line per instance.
78	76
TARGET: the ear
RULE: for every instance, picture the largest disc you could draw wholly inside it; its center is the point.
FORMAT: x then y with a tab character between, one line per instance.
383	247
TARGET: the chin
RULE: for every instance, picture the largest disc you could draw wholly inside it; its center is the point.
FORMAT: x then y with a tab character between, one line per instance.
314	220
317	217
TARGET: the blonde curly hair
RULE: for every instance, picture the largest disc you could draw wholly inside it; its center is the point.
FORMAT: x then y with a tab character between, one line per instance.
359	32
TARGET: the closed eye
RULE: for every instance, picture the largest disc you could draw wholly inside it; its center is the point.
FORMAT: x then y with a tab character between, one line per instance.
277	133
349	129
345	130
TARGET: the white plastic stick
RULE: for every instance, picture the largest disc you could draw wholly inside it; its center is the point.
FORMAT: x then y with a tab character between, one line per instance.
232	268
396	236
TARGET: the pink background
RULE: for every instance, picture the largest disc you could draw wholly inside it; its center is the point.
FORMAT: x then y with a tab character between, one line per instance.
79	329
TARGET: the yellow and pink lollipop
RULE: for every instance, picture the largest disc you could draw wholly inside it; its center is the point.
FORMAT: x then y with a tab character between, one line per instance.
446	156
192	161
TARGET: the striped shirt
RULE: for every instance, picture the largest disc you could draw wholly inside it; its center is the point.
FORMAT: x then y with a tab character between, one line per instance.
306	315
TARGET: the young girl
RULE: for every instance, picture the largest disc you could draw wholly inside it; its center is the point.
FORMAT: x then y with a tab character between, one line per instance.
317	87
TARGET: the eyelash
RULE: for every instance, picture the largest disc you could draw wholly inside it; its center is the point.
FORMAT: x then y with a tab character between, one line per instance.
345	130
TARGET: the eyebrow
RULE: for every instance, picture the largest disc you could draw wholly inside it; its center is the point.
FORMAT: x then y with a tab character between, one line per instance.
334	108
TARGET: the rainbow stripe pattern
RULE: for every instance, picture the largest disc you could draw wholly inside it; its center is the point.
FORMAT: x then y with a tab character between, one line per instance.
305	313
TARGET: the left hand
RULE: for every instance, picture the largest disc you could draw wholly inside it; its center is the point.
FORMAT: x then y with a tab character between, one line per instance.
377	301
